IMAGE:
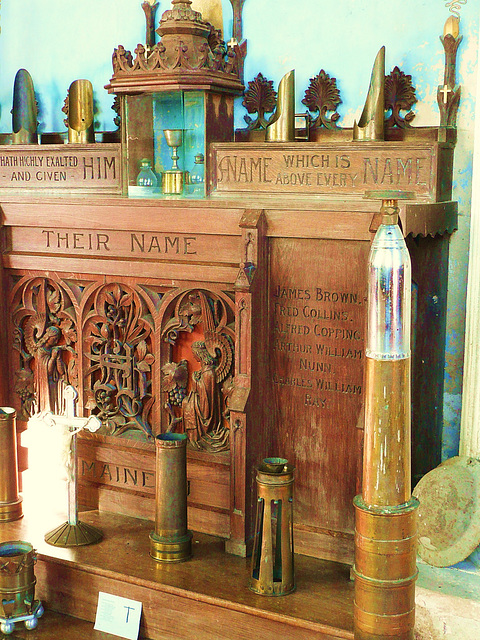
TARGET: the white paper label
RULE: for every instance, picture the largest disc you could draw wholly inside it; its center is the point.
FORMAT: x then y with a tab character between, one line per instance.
118	616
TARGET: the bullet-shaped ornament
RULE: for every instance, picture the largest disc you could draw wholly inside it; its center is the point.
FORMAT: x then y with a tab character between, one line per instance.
171	541
385	513
24	111
80	112
386	472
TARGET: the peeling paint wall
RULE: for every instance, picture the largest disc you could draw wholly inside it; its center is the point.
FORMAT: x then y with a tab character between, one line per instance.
59	41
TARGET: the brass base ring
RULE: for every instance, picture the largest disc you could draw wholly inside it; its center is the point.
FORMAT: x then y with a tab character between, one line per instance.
11	510
176	550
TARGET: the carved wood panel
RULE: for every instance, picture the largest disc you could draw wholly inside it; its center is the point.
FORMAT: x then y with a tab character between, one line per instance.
145	357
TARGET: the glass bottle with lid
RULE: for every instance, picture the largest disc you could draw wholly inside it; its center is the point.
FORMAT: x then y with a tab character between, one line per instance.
196	179
146	177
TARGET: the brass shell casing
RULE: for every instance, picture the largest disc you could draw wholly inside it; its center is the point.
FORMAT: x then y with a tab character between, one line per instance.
80	112
282	124
10	502
386	468
385	571
171	541
17	578
272	569
24	111
371	125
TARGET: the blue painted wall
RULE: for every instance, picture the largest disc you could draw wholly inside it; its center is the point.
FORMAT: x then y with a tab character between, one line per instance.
59	41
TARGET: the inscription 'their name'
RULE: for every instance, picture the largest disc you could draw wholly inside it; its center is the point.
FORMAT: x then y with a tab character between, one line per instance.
145	243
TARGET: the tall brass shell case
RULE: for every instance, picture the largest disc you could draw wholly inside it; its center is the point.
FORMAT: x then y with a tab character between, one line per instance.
387	455
80	112
385	514
371	125
282	123
272	569
171	541
10	502
17	578
385	571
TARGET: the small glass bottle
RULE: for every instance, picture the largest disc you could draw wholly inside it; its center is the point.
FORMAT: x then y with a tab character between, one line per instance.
146	177
197	176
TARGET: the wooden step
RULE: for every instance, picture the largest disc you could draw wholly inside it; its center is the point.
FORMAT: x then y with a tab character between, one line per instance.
204	598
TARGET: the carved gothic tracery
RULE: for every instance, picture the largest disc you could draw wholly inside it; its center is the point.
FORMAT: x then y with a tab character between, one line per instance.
45	339
197	402
113	327
118	346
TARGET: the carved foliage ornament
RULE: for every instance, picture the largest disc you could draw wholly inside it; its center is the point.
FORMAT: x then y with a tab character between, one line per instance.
323	96
197	403
399	95
260	98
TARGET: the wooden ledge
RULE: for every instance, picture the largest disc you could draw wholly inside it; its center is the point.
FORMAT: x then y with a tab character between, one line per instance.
206	597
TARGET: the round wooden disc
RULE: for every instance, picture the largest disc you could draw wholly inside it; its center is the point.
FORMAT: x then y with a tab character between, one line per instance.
449	512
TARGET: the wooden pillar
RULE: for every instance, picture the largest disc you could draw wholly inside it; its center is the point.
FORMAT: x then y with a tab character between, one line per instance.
248	415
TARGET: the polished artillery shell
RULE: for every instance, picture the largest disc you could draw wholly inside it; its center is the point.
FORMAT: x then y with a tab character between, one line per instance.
282	124
386	469
385	571
272	569
385	514
10	502
24	112
171	541
17	578
80	112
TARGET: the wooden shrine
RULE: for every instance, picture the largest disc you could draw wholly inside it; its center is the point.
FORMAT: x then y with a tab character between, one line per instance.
236	316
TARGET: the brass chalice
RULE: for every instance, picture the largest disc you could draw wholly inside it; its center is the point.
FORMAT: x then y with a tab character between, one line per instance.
172	182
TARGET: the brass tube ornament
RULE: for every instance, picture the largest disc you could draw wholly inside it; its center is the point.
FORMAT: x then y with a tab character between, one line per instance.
371	125
79	110
385	513
10	501
281	127
171	541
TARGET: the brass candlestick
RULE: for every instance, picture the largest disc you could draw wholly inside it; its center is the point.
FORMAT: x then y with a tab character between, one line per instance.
172	182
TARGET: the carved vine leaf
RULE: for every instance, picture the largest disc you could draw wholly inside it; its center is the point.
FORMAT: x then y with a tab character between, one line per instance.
261	98
399	95
323	96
